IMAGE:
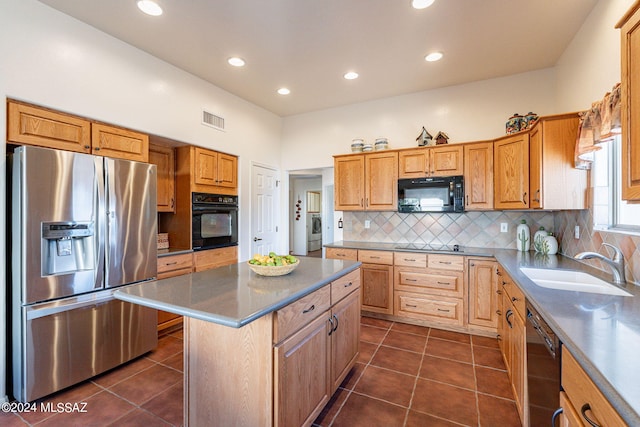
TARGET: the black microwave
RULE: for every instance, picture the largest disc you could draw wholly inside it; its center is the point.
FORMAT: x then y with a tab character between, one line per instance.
438	194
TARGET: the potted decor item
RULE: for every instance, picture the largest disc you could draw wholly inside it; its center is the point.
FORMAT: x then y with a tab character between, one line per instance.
549	245
523	237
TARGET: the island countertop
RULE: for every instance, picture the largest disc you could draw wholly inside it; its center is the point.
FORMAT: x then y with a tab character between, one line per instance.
234	295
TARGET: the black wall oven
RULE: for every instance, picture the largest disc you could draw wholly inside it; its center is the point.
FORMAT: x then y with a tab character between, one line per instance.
214	221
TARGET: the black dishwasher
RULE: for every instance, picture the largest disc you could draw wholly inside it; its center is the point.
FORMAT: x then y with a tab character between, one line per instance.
543	369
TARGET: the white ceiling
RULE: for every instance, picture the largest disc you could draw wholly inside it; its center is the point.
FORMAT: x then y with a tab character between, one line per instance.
307	45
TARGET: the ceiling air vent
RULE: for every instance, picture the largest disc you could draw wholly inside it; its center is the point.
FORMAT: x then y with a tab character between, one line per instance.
210	119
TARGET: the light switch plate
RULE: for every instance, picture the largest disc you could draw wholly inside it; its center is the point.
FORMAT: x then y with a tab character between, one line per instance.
367	223
504	227
576	232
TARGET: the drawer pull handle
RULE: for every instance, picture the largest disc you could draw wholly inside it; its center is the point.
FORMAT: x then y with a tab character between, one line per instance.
507	316
499	292
499	312
410	260
308	310
443	310
347	285
445	262
374	257
412	306
411	280
337	323
586	407
342	255
443	283
514	299
172	263
331	329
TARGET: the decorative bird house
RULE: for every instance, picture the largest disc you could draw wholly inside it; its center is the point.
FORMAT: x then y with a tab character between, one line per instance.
424	138
441	138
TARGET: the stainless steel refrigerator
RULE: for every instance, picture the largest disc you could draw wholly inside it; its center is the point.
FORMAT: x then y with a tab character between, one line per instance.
81	226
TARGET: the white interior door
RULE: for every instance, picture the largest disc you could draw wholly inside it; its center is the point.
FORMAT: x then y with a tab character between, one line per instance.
264	202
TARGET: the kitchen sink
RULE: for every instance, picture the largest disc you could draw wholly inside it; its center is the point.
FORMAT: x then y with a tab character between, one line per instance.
571	280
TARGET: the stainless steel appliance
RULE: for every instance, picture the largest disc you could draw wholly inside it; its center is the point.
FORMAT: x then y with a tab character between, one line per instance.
314	232
543	369
81	226
214	221
438	194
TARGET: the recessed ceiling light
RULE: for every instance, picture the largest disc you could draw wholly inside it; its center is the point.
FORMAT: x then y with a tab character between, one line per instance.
150	7
421	4
434	56
351	75
284	91
236	61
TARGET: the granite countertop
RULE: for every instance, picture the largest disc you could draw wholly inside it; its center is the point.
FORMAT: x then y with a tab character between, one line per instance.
407	247
234	295
601	331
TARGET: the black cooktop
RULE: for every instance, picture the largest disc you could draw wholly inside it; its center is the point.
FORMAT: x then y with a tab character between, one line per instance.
430	247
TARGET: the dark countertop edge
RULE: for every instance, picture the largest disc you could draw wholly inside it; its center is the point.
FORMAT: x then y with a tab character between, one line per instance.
233	322
624	409
172	251
393	247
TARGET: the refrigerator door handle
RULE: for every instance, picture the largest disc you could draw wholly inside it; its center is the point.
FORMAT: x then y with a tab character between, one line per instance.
101	226
48	309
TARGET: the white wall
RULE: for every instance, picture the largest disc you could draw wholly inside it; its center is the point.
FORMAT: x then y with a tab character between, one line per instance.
590	66
470	112
53	60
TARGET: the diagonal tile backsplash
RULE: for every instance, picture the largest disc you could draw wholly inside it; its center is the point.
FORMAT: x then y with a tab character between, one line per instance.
482	229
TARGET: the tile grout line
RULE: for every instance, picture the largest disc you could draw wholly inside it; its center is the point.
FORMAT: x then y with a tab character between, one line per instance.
415	381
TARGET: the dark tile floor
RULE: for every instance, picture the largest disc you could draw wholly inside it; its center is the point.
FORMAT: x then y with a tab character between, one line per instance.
406	376
415	376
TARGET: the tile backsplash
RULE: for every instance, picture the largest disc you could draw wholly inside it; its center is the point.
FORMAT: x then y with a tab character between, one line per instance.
482	229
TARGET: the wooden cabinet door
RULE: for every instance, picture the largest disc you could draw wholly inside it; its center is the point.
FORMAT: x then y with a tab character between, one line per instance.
535	166
446	160
119	143
164	158
630	104
518	345
302	382
32	125
341	253
205	165
569	417
377	288
511	172
483	299
345	337
227	171
478	176
413	163
349	183
381	181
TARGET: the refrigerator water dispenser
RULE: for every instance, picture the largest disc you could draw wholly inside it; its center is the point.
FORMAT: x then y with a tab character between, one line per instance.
67	247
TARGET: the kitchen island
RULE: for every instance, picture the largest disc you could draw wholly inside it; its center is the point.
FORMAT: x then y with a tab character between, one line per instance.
261	351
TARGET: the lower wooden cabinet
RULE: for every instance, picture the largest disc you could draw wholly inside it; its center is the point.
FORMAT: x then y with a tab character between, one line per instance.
280	369
172	266
341	253
214	258
583	404
483	299
377	288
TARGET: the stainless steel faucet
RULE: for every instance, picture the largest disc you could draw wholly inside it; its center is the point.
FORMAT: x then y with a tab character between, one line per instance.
616	262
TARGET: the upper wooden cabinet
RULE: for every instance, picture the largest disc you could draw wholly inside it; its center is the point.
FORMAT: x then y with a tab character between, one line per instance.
478	176
46	128
366	182
630	103
511	172
445	160
33	125
209	171
164	158
554	182
121	143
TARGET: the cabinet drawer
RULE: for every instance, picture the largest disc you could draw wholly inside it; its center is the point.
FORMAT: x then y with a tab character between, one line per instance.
174	262
342	253
213	258
343	286
376	257
446	262
409	259
438	309
429	281
296	315
582	391
517	299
